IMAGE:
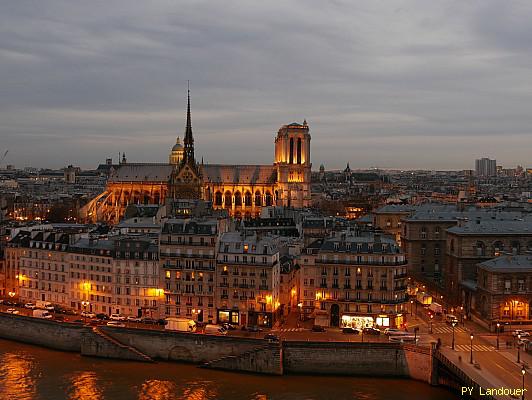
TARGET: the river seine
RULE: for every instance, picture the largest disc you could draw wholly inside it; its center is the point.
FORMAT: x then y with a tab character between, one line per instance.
29	372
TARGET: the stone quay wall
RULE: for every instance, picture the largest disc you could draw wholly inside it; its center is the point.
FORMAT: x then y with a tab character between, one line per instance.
224	352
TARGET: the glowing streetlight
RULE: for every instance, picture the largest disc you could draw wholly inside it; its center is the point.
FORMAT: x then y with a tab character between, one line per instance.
498	329
518	348
453	324
471	357
523	372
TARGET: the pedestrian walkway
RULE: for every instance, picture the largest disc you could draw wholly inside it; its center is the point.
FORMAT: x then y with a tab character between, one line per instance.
448	329
288	330
476	347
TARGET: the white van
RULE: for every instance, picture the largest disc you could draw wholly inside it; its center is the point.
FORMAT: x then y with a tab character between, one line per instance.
215	330
42	314
180	324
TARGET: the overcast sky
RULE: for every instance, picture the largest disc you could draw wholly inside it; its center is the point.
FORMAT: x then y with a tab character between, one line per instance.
393	84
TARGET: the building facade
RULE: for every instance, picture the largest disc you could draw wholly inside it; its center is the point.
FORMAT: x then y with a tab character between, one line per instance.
188	267
474	242
247	280
354	279
504	290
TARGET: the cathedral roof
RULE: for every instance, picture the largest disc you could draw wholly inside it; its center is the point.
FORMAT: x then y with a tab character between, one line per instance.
141	173
239	174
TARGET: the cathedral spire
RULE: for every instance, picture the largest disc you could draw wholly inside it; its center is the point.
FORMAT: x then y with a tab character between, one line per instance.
189	140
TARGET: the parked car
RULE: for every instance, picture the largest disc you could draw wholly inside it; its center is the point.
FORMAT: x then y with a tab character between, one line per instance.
131	318
12	311
102	316
229	327
318	328
349	330
88	314
59	318
31	306
270	337
371	331
117	317
78	321
69	312
117	324
148	320
392	331
520	332
254	328
403	338
162	322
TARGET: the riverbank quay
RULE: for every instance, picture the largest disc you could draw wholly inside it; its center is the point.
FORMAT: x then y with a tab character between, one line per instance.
234	353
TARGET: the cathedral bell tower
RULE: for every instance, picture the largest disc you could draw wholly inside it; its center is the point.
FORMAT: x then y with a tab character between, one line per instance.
292	159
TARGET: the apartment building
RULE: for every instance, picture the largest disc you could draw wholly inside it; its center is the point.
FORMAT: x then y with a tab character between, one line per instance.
354	279
247	280
188	267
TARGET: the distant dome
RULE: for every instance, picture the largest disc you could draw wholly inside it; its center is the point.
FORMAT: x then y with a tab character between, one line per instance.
177	145
176	155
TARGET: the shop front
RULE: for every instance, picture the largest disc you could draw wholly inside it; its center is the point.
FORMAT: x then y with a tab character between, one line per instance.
263	319
228	316
356	321
380	321
389	321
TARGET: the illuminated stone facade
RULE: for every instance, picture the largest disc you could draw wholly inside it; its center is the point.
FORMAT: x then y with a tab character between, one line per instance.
241	189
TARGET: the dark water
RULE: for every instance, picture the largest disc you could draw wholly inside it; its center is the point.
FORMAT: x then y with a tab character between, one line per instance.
29	372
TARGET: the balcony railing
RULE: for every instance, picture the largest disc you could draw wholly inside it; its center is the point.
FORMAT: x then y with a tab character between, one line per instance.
263	287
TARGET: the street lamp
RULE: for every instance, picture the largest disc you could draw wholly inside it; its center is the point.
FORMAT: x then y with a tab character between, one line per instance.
498	328
411	306
523	372
85	304
431	316
471	357
453	324
518	348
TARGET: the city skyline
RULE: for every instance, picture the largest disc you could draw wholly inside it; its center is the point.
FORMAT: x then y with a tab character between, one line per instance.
417	86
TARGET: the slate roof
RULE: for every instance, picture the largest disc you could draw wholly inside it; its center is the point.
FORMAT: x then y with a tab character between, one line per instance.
520	263
239	174
190	226
495	227
142	173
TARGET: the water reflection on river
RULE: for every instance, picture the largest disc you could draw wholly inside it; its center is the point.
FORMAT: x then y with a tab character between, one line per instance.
28	372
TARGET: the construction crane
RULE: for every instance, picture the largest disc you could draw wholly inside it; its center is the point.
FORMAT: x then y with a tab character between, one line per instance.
4	156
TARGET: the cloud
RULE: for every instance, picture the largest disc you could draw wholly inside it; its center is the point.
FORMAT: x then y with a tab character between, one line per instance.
419	84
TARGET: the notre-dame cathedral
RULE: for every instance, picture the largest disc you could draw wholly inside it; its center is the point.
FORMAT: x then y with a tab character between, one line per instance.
241	189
